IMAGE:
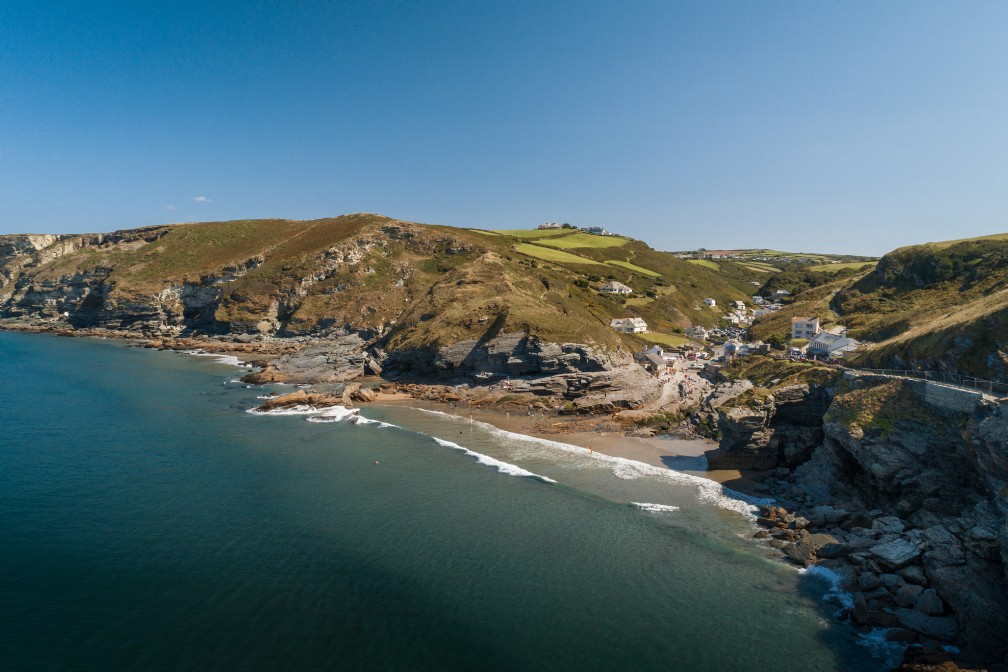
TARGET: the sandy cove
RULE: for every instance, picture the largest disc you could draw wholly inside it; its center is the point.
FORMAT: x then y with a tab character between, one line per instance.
685	455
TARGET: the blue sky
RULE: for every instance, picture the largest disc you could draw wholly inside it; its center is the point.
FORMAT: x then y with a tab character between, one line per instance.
851	127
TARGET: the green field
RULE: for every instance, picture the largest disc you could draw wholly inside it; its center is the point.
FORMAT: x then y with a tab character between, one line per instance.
558	256
833	268
670	340
532	233
705	262
585	240
760	267
633	267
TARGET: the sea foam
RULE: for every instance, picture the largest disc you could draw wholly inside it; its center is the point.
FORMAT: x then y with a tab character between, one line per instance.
706	489
218	357
835	594
655	508
502	467
890	653
324	414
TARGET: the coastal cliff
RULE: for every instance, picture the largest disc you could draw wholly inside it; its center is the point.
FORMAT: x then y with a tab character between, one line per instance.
905	496
325	302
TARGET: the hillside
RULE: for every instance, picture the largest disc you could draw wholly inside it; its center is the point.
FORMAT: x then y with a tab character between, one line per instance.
398	284
938	306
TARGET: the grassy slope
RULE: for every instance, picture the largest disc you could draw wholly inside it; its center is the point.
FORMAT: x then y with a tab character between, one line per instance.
441	285
940	305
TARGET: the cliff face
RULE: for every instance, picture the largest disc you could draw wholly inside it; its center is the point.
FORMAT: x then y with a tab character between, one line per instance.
910	482
777	429
424	300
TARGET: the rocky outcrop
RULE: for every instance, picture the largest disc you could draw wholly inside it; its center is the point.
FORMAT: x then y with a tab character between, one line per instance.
912	490
321	361
769	429
514	354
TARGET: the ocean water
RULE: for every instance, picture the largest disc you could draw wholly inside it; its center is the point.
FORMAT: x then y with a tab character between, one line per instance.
147	522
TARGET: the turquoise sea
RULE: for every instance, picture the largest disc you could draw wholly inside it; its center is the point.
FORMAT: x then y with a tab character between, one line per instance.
147	522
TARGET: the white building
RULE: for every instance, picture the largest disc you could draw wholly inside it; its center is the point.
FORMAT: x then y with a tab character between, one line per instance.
832	345
698	333
739	306
613	287
549	225
654	349
629	325
804	327
710	303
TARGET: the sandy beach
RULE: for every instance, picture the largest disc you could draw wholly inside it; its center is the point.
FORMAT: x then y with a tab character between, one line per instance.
684	455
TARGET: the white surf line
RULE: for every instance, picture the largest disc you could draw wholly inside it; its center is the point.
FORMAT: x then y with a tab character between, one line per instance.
655	508
707	490
217	357
324	414
333	414
502	467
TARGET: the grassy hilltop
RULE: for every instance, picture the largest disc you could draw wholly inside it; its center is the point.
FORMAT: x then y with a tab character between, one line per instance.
414	285
937	306
409	285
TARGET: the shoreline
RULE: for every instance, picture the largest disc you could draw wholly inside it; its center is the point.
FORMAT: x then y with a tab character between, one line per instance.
653	452
685	455
681	455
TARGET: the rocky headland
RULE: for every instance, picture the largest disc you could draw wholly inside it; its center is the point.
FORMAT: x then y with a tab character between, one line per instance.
898	486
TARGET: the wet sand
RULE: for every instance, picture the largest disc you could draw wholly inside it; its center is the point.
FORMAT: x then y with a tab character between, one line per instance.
685	455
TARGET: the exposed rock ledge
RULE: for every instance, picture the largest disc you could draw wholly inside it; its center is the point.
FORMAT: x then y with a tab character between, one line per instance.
905	497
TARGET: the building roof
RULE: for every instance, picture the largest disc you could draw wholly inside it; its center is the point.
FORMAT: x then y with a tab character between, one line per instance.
613	285
654	359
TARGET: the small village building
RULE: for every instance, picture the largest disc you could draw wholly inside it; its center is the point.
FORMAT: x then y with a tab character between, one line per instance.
830	344
672	358
613	287
760	312
739	306
737	318
780	294
629	325
710	303
596	231
549	225
804	327
697	333
757	299
654	364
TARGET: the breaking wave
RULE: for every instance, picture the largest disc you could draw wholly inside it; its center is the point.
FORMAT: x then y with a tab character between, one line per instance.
707	490
502	467
218	357
655	508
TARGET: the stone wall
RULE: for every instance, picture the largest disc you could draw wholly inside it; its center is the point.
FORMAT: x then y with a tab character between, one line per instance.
937	395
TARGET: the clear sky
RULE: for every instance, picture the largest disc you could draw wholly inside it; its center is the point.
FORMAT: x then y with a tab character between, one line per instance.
851	127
